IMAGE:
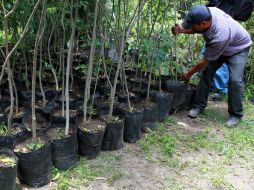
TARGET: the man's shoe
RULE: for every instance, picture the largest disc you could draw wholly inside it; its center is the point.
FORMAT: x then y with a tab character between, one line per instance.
232	121
193	113
216	97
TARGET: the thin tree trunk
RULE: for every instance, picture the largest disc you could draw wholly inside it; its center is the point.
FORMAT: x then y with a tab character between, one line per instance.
69	60
49	56
36	45
122	43
63	63
40	71
7	60
18	42
90	66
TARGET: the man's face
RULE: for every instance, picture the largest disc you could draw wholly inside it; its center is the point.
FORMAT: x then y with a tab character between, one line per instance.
201	27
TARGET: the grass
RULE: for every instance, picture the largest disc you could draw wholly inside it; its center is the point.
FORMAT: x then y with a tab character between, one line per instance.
223	146
105	167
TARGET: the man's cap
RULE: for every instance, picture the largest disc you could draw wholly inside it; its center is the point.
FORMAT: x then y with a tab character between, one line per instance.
196	15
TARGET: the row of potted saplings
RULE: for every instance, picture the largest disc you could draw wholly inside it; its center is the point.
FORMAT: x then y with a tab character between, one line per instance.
32	160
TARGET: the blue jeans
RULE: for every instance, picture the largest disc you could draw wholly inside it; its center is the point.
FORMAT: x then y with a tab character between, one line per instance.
236	64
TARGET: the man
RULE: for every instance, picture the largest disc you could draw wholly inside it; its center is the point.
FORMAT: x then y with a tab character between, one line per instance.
220	79
226	42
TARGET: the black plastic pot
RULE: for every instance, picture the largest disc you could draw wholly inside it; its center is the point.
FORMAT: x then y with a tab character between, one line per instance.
49	108
132	126
64	151
26	96
8	174
42	119
179	89
103	107
164	103
52	94
2	118
89	143
189	99
113	137
133	98
4	103
59	119
150	117
10	140
34	168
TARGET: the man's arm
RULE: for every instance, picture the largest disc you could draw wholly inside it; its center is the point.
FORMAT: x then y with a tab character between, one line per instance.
198	67
178	29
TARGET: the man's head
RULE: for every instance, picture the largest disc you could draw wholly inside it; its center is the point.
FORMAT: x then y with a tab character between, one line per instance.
198	19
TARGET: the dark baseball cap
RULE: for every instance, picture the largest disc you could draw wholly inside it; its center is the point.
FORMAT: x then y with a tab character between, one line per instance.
196	15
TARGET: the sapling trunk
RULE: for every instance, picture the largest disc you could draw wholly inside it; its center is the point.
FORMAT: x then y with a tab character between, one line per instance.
40	71
36	45
176	64
69	60
122	43
49	57
62	62
20	39
16	95
7	60
37	41
26	73
90	66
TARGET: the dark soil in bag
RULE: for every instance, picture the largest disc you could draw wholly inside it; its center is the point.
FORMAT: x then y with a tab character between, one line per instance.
4	103
164	103
34	168
179	89
90	137
64	149
189	99
57	118
113	137
150	116
102	106
132	126
8	169
132	121
134	97
42	120
17	132
17	117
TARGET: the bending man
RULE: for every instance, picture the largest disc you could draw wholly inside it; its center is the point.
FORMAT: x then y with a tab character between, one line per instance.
226	42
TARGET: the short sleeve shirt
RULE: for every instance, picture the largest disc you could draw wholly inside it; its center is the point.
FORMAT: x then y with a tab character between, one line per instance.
225	37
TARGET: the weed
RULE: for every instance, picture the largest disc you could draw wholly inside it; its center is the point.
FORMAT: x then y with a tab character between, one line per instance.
163	142
3	130
35	145
7	161
218	181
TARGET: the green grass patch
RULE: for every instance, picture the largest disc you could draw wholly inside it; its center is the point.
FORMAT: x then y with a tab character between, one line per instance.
105	166
160	141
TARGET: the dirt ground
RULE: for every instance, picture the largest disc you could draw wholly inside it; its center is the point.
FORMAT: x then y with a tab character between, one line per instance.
206	155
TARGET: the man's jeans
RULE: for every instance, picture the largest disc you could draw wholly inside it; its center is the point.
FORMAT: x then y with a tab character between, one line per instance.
236	64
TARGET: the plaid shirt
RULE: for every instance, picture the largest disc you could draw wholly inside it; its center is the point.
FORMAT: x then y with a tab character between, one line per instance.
225	37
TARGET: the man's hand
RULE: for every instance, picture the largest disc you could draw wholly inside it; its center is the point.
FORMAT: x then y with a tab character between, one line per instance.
185	77
176	29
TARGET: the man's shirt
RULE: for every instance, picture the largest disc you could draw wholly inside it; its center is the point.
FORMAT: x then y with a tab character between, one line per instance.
225	37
